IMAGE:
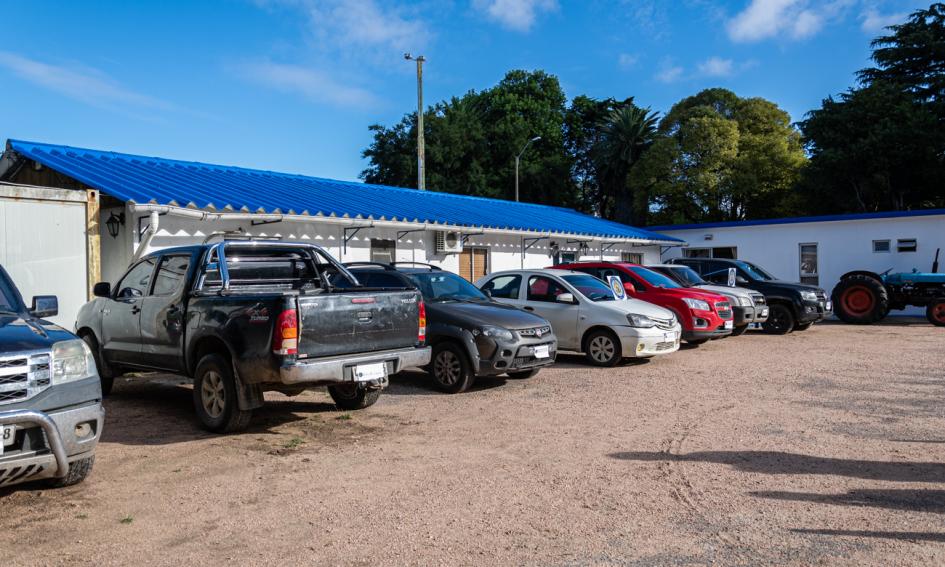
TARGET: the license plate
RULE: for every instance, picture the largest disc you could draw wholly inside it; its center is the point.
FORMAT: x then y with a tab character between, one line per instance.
7	435
729	325
829	306
764	312
365	372
541	351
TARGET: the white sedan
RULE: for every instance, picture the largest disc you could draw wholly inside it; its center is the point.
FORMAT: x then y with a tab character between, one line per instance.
585	315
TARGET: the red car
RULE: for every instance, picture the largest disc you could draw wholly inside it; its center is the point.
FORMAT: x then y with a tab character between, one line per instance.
703	315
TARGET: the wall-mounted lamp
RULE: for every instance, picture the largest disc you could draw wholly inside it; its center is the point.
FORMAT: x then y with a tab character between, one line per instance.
114	223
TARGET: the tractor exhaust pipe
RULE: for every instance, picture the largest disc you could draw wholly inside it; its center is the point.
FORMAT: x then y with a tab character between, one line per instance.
935	262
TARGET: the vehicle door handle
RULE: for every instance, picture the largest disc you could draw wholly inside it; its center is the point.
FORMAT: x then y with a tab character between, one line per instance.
135	310
527	308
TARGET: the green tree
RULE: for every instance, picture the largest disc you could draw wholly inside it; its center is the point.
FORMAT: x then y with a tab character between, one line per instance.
722	157
625	135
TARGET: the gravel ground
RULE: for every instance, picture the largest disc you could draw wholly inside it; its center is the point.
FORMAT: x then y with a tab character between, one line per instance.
822	447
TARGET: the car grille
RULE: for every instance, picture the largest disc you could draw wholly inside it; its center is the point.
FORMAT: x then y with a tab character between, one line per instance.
821	296
529	360
22	376
534	332
759	299
665	324
664	345
724	309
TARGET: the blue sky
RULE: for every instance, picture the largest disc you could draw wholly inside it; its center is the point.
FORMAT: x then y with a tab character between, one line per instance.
292	85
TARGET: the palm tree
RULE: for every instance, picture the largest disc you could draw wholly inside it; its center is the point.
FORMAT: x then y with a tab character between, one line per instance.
626	134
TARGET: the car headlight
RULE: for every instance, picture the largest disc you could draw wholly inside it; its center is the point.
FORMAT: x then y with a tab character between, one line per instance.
745	301
808	296
495	333
71	360
696	304
641	321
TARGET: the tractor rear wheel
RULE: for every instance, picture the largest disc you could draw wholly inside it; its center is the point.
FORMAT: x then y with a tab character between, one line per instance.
935	312
860	299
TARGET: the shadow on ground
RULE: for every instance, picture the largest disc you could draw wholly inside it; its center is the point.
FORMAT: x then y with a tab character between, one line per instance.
932	501
413	383
904	536
160	411
777	462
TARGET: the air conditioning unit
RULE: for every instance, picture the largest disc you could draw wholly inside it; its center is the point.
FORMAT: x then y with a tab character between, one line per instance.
449	242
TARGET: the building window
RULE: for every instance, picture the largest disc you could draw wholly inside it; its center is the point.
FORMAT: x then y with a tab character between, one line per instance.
383	250
906	245
631	257
727	252
880	246
808	268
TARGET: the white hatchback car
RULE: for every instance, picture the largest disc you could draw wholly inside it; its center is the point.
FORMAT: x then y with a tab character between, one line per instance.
585	315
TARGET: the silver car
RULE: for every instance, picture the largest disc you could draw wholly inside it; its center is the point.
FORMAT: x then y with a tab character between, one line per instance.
585	315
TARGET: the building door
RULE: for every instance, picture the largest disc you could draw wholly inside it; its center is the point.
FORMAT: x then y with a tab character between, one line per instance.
474	263
808	264
631	257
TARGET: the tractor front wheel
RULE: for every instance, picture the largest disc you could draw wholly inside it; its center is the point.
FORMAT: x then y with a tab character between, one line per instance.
860	299
935	312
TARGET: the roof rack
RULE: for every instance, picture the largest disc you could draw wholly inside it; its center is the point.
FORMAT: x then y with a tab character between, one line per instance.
230	235
431	266
383	265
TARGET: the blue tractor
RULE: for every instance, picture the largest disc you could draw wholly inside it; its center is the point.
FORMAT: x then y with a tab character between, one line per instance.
866	297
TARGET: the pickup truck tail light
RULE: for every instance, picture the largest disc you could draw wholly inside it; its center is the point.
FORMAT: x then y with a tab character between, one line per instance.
285	338
422	328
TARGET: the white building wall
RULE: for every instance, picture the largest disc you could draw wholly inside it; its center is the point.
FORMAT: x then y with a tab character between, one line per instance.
842	246
505	251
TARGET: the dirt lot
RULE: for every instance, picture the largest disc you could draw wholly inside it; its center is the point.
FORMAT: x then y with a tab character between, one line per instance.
826	446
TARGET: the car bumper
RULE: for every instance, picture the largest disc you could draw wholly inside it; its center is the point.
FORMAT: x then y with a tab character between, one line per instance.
341	369
644	343
813	312
48	455
512	357
747	315
705	335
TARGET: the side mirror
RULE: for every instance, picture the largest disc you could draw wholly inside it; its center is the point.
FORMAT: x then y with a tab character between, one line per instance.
487	293
102	289
44	306
129	293
566	298
628	287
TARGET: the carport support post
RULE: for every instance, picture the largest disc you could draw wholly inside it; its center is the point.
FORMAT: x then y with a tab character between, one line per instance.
93	241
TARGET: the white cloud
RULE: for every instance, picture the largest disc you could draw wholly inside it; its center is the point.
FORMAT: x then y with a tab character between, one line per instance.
84	84
628	60
310	83
791	19
874	22
516	15
365	23
717	67
669	73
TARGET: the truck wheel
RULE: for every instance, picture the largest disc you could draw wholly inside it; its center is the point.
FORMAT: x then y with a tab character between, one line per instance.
523	374
738	331
353	396
935	312
78	471
105	373
860	299
215	398
602	348
450	369
780	320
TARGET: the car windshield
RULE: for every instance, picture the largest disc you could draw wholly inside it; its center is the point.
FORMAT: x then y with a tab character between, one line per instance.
444	286
686	275
8	300
590	287
653	278
756	272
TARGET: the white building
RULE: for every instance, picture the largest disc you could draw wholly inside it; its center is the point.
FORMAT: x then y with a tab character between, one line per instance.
134	204
818	250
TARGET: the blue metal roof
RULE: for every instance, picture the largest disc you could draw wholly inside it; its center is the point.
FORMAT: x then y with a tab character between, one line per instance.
140	179
797	220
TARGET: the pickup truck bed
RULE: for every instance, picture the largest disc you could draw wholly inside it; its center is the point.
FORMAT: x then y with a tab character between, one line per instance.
242	318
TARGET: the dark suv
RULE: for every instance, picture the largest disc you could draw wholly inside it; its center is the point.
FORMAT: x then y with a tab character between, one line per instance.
793	306
471	335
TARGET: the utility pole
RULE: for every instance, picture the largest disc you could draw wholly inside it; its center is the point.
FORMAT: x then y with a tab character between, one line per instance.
421	169
518	158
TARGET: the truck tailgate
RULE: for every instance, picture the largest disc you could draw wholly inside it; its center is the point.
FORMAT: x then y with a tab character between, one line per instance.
363	321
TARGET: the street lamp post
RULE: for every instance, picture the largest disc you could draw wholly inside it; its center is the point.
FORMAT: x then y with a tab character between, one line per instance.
518	159
421	169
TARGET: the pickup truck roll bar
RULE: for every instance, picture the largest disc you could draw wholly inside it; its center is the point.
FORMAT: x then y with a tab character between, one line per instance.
385	266
431	266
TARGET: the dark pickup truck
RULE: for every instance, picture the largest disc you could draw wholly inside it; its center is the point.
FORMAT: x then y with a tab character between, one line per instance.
242	318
